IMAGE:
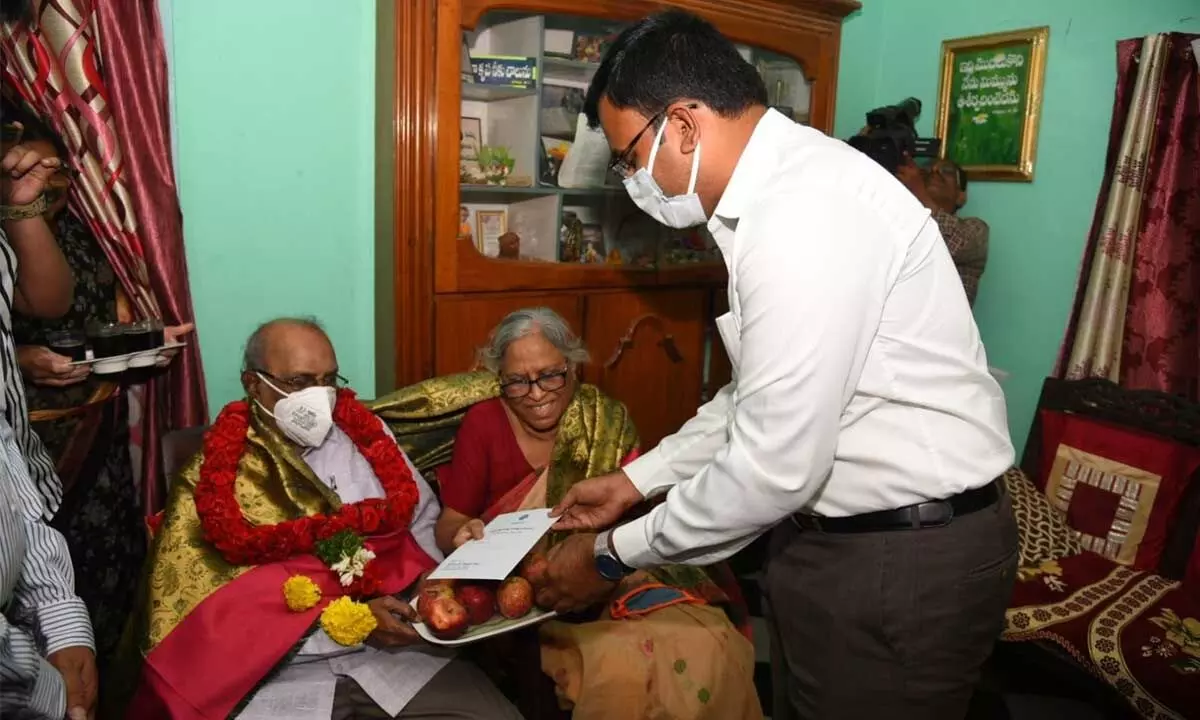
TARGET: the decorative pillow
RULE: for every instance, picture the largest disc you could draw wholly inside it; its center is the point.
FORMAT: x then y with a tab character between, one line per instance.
1118	487
1044	533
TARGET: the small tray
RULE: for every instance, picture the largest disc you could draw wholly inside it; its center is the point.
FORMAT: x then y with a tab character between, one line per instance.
498	625
120	363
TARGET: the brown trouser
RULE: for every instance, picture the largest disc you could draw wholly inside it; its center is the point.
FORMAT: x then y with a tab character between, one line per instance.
460	691
887	624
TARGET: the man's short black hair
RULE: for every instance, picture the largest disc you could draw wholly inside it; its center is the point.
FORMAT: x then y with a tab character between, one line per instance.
670	56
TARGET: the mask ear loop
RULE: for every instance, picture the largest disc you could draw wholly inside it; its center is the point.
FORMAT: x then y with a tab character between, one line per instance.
695	170
657	143
271	384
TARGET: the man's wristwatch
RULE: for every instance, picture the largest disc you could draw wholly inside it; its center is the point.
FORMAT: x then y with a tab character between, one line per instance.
608	564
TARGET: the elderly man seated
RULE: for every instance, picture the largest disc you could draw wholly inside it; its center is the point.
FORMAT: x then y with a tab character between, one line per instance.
274	577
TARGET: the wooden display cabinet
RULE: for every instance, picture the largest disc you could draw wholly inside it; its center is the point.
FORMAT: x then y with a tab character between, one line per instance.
479	134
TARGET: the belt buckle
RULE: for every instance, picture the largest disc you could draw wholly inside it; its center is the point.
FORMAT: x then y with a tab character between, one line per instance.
944	505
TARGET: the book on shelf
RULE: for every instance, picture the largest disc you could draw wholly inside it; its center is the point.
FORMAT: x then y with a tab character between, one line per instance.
506	70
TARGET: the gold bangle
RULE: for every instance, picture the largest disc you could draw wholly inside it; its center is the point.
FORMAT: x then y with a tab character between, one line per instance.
24	212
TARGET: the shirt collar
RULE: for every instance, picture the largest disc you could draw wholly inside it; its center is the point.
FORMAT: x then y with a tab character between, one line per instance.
753	167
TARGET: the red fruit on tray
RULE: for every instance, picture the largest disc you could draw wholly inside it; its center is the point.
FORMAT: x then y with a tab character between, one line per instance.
533	568
515	597
480	602
429	590
445	617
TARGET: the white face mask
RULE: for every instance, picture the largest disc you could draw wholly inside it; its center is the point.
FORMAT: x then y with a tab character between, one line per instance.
681	211
305	416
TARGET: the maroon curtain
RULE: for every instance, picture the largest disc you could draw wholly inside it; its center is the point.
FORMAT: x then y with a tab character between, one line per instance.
1161	347
1122	99
135	69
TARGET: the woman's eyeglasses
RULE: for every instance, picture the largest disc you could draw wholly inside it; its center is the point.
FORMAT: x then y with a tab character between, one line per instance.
548	382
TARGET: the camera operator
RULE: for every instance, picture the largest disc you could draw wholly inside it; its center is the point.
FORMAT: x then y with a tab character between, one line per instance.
943	189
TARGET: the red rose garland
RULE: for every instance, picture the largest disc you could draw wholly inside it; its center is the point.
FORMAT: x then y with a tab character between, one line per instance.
244	543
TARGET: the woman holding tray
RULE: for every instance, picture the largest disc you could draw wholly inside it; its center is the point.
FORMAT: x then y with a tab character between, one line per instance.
663	645
83	419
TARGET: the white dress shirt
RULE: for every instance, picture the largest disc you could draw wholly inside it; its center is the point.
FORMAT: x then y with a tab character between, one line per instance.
339	464
860	382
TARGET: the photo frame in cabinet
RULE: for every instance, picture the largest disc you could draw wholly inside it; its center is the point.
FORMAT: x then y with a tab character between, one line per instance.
490	225
590	47
470	140
591	244
554	151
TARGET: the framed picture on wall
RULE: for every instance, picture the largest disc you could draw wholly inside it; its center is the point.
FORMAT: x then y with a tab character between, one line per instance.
990	101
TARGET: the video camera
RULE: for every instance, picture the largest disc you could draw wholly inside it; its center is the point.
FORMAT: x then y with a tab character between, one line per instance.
892	134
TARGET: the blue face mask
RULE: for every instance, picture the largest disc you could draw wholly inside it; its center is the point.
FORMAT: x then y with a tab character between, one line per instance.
680	211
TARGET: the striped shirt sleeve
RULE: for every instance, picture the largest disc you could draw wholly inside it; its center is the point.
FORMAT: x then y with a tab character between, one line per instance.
27	681
45	590
44	594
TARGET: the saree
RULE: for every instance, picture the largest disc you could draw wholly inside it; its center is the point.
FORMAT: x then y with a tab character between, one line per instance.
661	647
206	633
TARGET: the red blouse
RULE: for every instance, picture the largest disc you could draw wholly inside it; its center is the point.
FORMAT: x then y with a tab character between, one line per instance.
487	461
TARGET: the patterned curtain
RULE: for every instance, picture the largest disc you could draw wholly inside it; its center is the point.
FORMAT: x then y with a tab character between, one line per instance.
95	71
1135	318
1098	326
1161	350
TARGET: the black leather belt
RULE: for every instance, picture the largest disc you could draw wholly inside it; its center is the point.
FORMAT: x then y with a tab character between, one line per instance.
936	513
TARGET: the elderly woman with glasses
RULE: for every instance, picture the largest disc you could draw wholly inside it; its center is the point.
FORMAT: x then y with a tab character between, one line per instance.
662	644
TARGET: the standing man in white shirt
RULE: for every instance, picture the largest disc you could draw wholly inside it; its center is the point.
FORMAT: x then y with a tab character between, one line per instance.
862	424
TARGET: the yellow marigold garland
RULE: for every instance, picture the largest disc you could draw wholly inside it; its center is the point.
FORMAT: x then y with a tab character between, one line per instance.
347	622
301	593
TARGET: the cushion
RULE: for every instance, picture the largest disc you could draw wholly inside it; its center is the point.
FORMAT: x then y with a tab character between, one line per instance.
1118	487
1042	529
1137	631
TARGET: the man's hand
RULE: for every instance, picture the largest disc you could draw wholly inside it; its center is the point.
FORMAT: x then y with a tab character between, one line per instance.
77	665
913	179
24	174
571	581
392	619
596	503
470	530
44	367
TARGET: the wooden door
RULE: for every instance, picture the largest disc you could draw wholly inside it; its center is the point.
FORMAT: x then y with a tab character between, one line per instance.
648	351
462	323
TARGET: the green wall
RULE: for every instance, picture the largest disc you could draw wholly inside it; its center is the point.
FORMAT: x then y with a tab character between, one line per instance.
275	146
891	49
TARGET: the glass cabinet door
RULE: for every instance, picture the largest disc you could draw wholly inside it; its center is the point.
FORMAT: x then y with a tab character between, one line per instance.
534	179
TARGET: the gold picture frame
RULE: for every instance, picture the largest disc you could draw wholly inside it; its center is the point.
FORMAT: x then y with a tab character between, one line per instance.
990	102
490	225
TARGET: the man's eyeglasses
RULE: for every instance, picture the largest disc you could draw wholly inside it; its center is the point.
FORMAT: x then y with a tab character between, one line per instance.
296	383
622	164
549	382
